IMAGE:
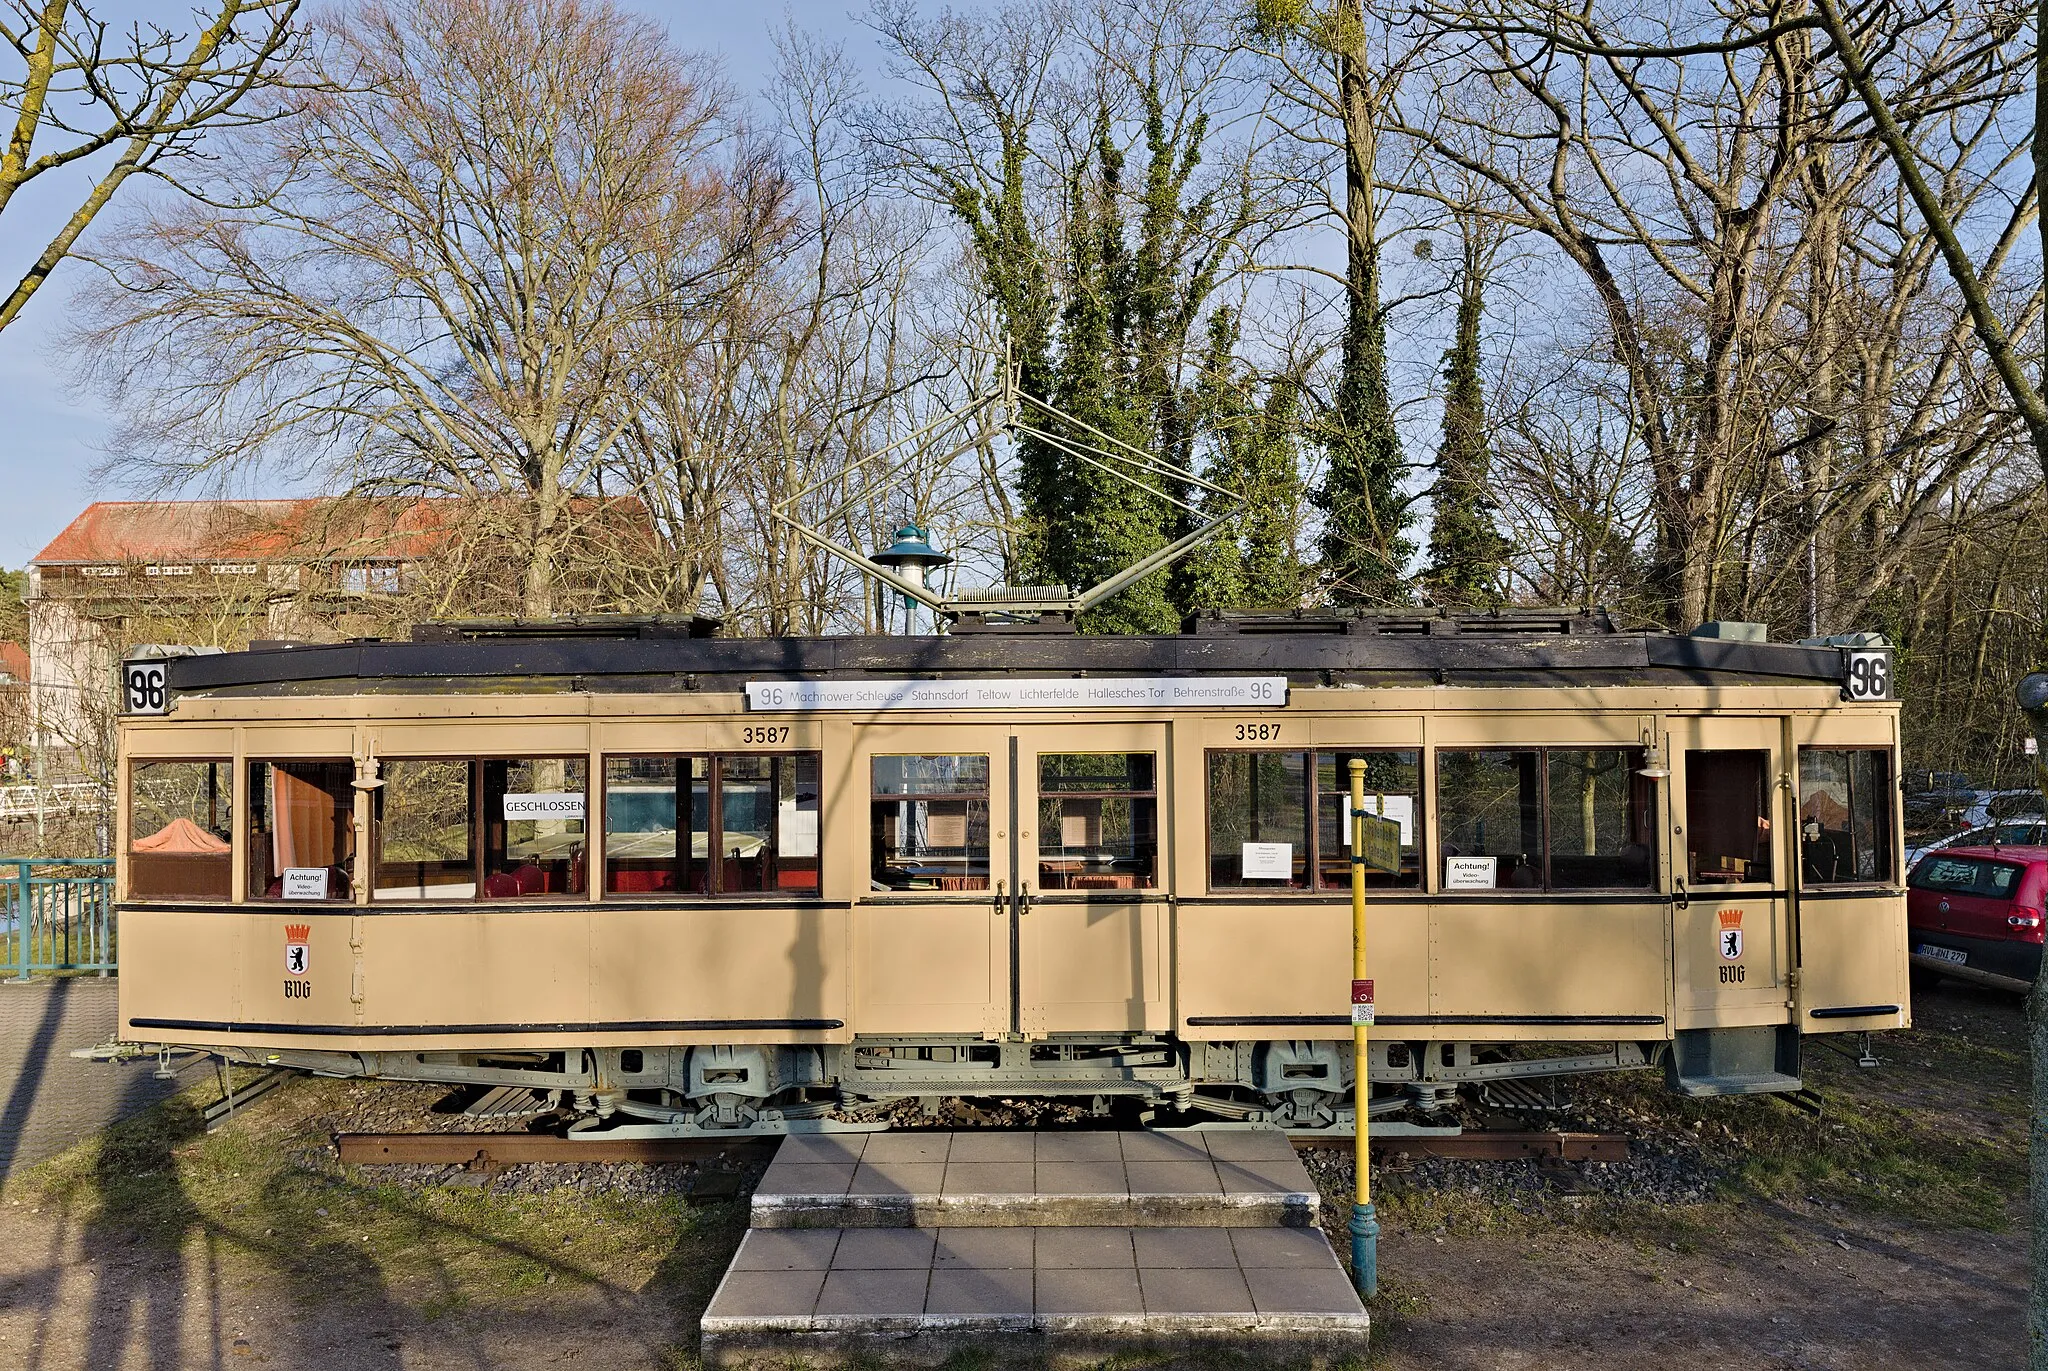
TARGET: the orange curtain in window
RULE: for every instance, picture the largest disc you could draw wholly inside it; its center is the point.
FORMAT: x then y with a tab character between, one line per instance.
180	836
302	831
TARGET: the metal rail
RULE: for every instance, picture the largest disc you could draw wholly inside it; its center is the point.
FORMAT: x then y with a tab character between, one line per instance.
483	1150
486	1150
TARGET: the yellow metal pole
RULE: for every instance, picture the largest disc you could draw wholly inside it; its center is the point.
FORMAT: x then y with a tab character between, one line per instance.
1365	1226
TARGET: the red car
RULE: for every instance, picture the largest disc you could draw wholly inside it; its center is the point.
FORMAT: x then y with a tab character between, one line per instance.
1976	913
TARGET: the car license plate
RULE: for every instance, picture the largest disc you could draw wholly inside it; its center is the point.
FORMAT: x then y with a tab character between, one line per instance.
1942	954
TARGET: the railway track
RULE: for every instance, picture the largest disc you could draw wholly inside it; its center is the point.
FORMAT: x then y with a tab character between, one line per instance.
485	1151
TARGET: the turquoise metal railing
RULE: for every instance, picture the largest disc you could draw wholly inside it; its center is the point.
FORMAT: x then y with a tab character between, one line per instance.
56	914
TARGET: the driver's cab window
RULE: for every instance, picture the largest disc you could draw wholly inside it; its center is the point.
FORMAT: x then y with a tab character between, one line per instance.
1728	817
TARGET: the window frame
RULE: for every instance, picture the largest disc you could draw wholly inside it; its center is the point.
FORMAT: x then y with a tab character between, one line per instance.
1312	818
249	832
1640	788
1154	882
1886	827
479	837
236	827
987	795
714	866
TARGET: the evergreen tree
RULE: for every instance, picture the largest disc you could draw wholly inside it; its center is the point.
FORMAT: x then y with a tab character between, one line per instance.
1364	512
1466	551
1252	453
1107	522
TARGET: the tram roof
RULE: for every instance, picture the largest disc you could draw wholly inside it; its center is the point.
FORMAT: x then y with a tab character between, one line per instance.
1553	648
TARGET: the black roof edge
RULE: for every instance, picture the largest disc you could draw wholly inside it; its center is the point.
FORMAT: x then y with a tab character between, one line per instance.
1307	657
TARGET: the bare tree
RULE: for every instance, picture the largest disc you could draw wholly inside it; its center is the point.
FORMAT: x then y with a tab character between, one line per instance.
435	288
146	94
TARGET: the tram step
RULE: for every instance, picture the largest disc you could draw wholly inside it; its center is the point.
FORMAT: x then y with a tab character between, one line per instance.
919	1297
937	1179
1758	1060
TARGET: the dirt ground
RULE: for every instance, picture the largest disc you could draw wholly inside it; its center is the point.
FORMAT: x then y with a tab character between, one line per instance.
1889	1232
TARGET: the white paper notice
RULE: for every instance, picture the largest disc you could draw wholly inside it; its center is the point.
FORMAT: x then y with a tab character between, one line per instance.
551	805
1399	808
799	830
1470	873
1267	862
305	883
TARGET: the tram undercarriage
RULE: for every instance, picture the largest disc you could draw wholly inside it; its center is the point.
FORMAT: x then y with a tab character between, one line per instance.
1299	1085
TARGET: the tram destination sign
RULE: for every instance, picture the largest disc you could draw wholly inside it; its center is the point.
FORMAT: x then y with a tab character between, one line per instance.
1103	692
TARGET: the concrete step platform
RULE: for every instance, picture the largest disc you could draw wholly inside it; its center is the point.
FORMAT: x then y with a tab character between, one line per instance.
934	1179
921	1295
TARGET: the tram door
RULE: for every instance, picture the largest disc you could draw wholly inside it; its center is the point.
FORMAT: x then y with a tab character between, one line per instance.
1016	879
1090	910
1730	922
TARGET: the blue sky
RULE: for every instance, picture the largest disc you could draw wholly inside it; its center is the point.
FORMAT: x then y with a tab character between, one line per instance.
50	438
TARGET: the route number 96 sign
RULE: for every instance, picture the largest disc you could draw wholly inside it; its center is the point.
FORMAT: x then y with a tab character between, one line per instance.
142	688
1870	676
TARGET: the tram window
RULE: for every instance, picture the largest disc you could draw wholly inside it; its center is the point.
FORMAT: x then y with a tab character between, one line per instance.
180	830
1727	816
1845	815
1492	808
1393	790
1258	820
302	842
930	822
533	827
757	812
426	831
1601	819
1545	819
1098	821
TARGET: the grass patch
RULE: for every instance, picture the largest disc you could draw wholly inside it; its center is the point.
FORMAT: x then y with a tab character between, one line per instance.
267	1193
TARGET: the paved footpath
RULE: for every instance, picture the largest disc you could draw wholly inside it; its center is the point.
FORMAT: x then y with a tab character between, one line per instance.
48	1099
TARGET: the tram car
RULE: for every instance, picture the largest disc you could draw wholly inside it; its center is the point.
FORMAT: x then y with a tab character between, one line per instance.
685	883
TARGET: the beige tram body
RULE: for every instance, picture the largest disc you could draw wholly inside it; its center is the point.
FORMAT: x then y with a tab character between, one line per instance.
1227	999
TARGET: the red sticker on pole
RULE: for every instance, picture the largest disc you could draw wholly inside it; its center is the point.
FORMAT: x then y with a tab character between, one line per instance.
1361	1002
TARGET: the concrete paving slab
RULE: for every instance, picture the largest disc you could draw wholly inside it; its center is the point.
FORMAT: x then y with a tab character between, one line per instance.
1082	1178
822	1147
978	1291
1164	1147
917	1146
884	1249
786	1249
993	1147
1279	1176
1167	1248
1172	1178
806	1178
990	1178
874	1294
1173	1183
897	1178
1303	1291
1083	1296
1079	1147
1282	1248
1089	1291
989	1248
772	1299
1093	1248
1210	1290
1247	1144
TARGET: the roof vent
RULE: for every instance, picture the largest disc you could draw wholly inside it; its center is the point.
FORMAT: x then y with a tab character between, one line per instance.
1733	630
